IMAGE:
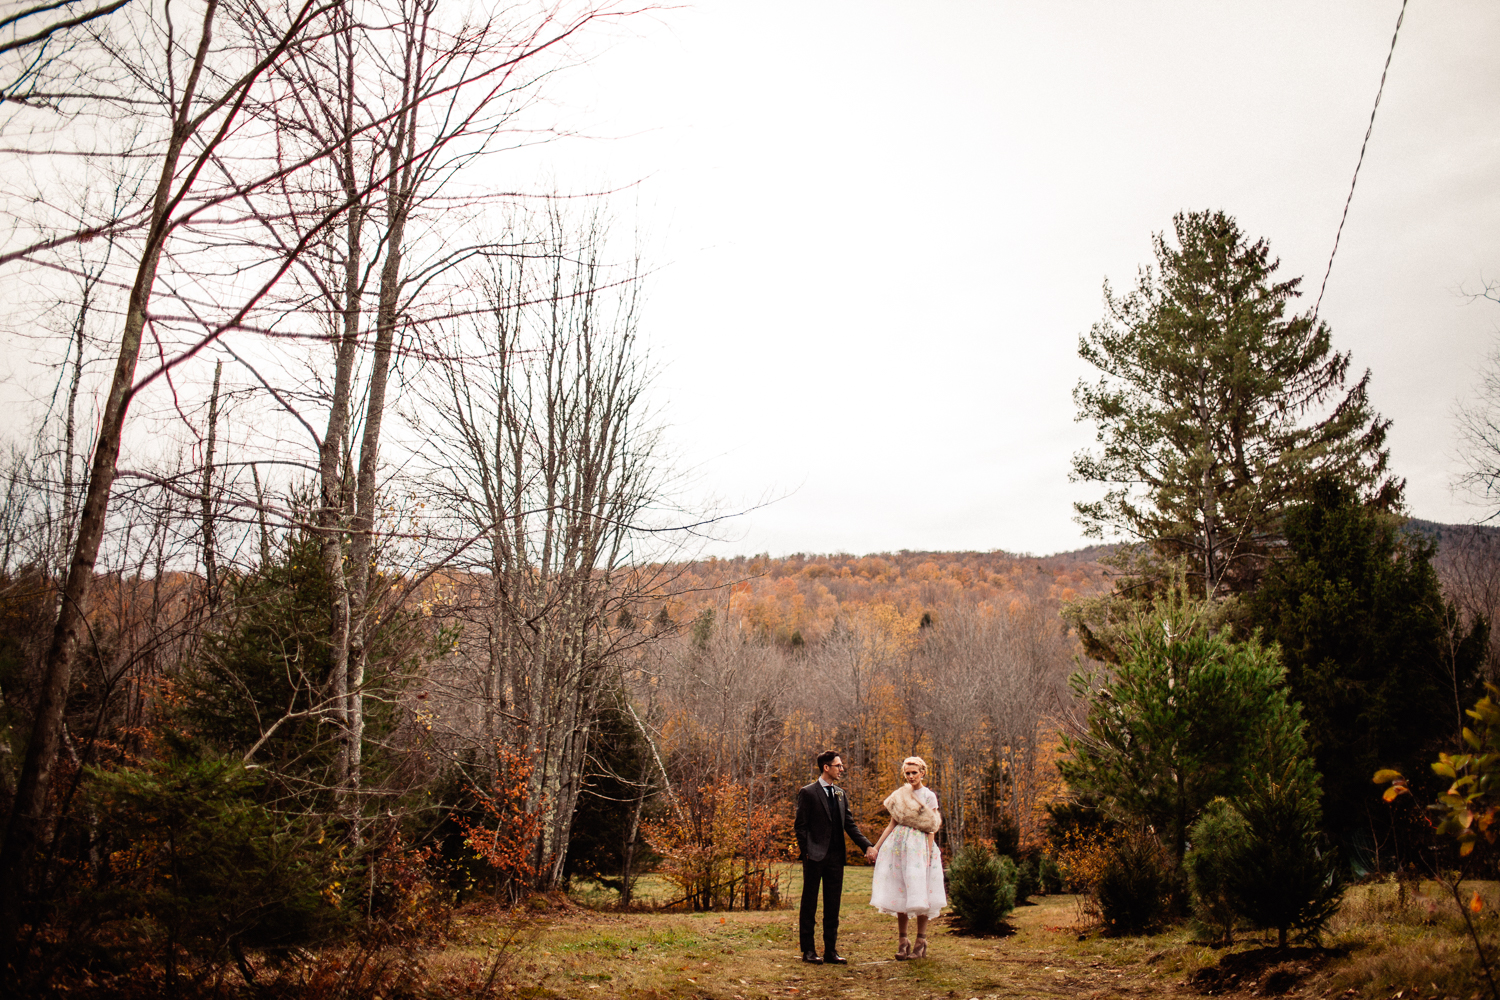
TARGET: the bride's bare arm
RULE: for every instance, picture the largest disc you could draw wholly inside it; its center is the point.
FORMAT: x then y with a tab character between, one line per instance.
885	833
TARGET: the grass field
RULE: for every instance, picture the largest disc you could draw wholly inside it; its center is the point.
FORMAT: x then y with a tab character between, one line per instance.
1376	949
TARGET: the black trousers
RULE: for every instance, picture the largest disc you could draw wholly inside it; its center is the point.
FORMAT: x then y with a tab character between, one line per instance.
829	873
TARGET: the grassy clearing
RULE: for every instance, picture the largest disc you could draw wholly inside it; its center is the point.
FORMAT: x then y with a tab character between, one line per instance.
740	956
1375	949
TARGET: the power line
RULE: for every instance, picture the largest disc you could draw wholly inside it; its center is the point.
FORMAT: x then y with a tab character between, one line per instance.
1362	146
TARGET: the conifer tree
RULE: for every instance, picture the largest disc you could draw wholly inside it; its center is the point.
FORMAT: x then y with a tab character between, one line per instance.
1215	406
1281	874
1381	664
981	888
1178	719
1216	838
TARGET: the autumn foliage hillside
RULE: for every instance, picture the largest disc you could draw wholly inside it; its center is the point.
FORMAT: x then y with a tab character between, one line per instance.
797	599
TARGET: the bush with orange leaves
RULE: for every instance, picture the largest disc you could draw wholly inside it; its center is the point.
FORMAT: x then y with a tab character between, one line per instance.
503	835
406	891
1083	856
719	844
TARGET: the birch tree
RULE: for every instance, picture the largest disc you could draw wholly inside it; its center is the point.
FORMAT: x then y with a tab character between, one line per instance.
549	460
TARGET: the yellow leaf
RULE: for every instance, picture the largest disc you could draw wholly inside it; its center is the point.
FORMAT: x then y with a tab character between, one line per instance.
1476	904
1392	792
1386	774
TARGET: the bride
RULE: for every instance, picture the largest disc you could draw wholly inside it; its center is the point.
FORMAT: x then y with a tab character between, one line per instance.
909	869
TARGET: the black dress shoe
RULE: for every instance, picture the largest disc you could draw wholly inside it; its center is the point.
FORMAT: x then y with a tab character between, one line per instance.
834	958
811	957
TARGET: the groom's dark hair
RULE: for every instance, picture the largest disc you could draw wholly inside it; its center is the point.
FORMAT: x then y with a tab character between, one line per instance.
825	758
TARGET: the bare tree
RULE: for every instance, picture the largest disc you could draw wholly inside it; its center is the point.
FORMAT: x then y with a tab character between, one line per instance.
548	459
1468	567
202	102
993	678
729	688
406	94
33	38
1478	421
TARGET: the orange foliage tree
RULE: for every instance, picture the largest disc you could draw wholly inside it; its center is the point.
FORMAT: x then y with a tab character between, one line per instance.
719	845
504	836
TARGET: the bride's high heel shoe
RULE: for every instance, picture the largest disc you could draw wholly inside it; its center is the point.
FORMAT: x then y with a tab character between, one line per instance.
920	949
903	950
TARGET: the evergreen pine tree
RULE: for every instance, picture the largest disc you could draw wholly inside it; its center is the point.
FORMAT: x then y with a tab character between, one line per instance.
1217	837
1176	721
1215	407
981	888
1281	873
1371	649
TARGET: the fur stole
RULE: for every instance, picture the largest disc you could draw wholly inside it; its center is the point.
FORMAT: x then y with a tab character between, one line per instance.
908	810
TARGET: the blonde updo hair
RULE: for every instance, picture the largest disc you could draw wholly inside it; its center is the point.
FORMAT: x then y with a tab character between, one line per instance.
922	764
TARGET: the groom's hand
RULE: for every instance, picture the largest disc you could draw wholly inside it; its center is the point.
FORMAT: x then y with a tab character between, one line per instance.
870	854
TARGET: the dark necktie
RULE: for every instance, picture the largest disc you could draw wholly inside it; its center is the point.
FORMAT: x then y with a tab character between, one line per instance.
833	806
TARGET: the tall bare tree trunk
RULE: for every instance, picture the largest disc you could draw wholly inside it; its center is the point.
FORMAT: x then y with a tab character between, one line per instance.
333	450
401	198
28	813
70	431
210	567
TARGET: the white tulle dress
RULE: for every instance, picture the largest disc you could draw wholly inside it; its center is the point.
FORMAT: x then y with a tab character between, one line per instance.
908	874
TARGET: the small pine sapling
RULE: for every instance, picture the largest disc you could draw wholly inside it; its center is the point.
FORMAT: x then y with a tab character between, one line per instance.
1216	837
981	888
1283	874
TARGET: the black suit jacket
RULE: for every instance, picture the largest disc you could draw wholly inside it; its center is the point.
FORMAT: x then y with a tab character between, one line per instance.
819	830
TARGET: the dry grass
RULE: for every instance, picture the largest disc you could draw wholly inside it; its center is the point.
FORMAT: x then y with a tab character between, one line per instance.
1376	949
740	956
1420	949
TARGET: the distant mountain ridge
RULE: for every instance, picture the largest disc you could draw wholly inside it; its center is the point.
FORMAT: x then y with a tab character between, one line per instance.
1440	532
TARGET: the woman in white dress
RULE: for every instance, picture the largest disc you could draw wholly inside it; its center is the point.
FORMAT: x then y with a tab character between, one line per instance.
908	867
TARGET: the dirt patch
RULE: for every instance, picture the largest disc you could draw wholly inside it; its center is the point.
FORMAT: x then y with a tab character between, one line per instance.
1266	972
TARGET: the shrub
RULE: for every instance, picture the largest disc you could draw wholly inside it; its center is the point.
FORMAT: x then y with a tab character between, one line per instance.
1028	880
199	870
1217	838
1072	823
1081	859
1281	875
981	888
1135	887
1049	875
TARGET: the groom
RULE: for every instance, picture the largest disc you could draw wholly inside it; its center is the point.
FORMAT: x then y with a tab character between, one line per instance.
822	820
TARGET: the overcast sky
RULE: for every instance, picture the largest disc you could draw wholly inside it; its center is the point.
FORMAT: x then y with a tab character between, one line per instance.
878	230
882	227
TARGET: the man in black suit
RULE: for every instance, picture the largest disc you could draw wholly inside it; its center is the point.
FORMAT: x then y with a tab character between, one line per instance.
822	820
